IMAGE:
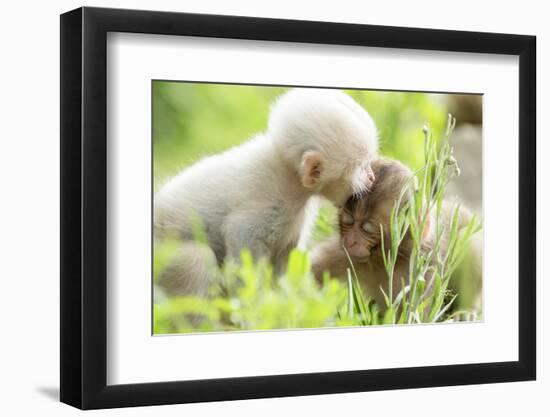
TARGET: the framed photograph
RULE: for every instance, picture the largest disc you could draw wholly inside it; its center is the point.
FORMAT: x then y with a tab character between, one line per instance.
258	208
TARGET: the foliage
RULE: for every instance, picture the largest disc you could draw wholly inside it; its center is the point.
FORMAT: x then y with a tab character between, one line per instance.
194	120
248	297
417	302
191	121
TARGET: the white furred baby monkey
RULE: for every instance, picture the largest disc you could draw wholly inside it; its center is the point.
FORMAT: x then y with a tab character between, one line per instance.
261	194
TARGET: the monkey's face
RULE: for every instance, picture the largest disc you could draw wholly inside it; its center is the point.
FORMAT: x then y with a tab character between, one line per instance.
362	227
365	219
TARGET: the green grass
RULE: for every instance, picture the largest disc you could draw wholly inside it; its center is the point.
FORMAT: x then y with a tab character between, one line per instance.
419	301
249	297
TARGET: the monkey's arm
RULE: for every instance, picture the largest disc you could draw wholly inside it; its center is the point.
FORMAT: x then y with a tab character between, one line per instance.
329	256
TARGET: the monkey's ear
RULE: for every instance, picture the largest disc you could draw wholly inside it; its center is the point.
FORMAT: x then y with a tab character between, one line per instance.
311	168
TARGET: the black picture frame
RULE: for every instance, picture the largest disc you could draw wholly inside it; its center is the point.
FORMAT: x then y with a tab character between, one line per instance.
84	207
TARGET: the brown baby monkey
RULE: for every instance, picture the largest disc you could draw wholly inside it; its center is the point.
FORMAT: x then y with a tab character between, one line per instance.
364	221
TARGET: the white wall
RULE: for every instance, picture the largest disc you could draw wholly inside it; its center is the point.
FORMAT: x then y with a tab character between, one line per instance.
29	174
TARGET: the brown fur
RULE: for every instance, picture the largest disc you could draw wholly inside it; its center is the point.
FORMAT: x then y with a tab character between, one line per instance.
365	246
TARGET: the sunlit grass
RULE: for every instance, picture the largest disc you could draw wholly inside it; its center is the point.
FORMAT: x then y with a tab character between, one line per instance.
420	300
248	296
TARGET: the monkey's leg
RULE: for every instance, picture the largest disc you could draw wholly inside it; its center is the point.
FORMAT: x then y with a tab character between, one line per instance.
190	271
328	256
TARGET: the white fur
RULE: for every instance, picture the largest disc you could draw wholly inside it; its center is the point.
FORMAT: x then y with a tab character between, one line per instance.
328	121
251	195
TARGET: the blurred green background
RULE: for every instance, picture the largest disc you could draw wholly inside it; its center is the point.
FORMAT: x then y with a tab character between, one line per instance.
192	120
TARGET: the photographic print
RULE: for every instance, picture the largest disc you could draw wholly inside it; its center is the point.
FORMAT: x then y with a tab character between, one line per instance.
306	196
294	208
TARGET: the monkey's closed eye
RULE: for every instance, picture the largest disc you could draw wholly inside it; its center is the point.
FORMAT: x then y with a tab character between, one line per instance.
347	219
369	227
